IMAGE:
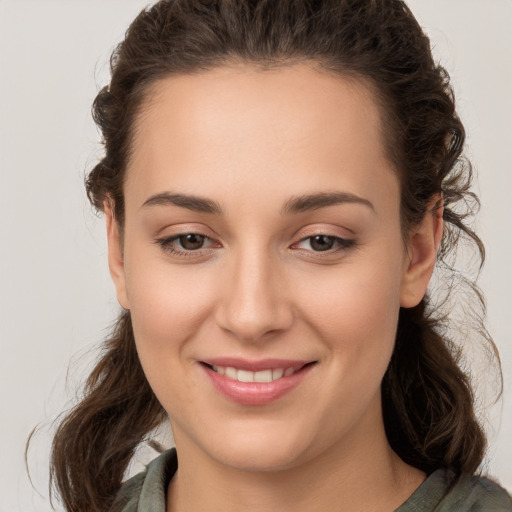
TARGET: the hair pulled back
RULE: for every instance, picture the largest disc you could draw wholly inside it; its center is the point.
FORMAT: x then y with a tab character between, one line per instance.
428	401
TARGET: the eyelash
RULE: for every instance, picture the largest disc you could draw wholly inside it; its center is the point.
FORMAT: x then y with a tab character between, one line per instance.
165	244
344	244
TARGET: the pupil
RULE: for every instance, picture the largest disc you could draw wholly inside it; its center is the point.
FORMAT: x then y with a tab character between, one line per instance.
322	243
191	241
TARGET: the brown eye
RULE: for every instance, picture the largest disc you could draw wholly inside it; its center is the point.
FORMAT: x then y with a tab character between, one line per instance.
187	245
328	244
191	241
321	242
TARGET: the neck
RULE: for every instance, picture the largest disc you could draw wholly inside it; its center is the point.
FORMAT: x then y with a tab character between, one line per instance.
354	475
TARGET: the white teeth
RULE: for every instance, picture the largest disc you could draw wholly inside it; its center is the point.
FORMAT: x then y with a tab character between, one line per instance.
277	373
245	376
248	376
231	373
263	376
219	369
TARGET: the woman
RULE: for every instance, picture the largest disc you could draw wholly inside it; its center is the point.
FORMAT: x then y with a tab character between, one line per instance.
278	181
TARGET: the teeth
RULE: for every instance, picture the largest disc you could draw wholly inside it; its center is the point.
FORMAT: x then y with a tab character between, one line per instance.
263	376
231	373
248	376
245	376
277	373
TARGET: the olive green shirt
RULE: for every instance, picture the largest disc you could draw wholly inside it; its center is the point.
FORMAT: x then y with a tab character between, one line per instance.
146	491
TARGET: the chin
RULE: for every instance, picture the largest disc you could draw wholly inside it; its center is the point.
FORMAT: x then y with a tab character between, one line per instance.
258	450
258	459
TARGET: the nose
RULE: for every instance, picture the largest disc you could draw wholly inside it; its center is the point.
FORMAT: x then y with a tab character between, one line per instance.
253	304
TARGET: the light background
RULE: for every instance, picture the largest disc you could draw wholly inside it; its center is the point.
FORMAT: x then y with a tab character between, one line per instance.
56	297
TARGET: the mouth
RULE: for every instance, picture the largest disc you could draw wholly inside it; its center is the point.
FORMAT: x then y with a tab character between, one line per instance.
264	375
265	383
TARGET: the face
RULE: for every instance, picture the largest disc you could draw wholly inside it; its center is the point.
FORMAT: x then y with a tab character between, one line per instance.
262	233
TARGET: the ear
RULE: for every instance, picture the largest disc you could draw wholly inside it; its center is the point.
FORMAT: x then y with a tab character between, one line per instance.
115	255
422	250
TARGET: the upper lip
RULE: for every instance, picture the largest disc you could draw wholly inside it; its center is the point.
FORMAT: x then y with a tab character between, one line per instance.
254	366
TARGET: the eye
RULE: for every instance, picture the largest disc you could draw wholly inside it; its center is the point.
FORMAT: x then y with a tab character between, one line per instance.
185	244
324	243
191	241
321	242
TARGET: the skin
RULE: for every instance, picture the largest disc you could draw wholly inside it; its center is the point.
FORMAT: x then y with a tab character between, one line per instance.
251	141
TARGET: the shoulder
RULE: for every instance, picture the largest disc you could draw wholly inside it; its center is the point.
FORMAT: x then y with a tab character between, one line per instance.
478	493
146	490
443	492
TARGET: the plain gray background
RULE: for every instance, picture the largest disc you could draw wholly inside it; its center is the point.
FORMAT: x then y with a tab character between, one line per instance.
56	295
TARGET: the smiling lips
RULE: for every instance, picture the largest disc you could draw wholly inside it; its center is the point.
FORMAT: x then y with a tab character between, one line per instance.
255	382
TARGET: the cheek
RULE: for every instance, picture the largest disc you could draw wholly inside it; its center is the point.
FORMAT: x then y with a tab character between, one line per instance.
167	303
167	309
355	308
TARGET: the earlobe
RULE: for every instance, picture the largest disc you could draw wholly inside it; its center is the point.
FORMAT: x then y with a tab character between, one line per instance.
115	255
422	253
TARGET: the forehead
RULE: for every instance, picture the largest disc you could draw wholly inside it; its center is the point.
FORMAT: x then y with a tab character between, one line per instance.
295	127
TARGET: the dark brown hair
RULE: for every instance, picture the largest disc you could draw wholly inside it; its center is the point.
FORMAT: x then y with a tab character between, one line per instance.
428	401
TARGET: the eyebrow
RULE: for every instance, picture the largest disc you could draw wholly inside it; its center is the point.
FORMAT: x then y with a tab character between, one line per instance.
311	202
294	205
194	203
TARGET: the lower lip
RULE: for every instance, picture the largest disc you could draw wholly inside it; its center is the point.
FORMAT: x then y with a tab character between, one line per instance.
256	393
